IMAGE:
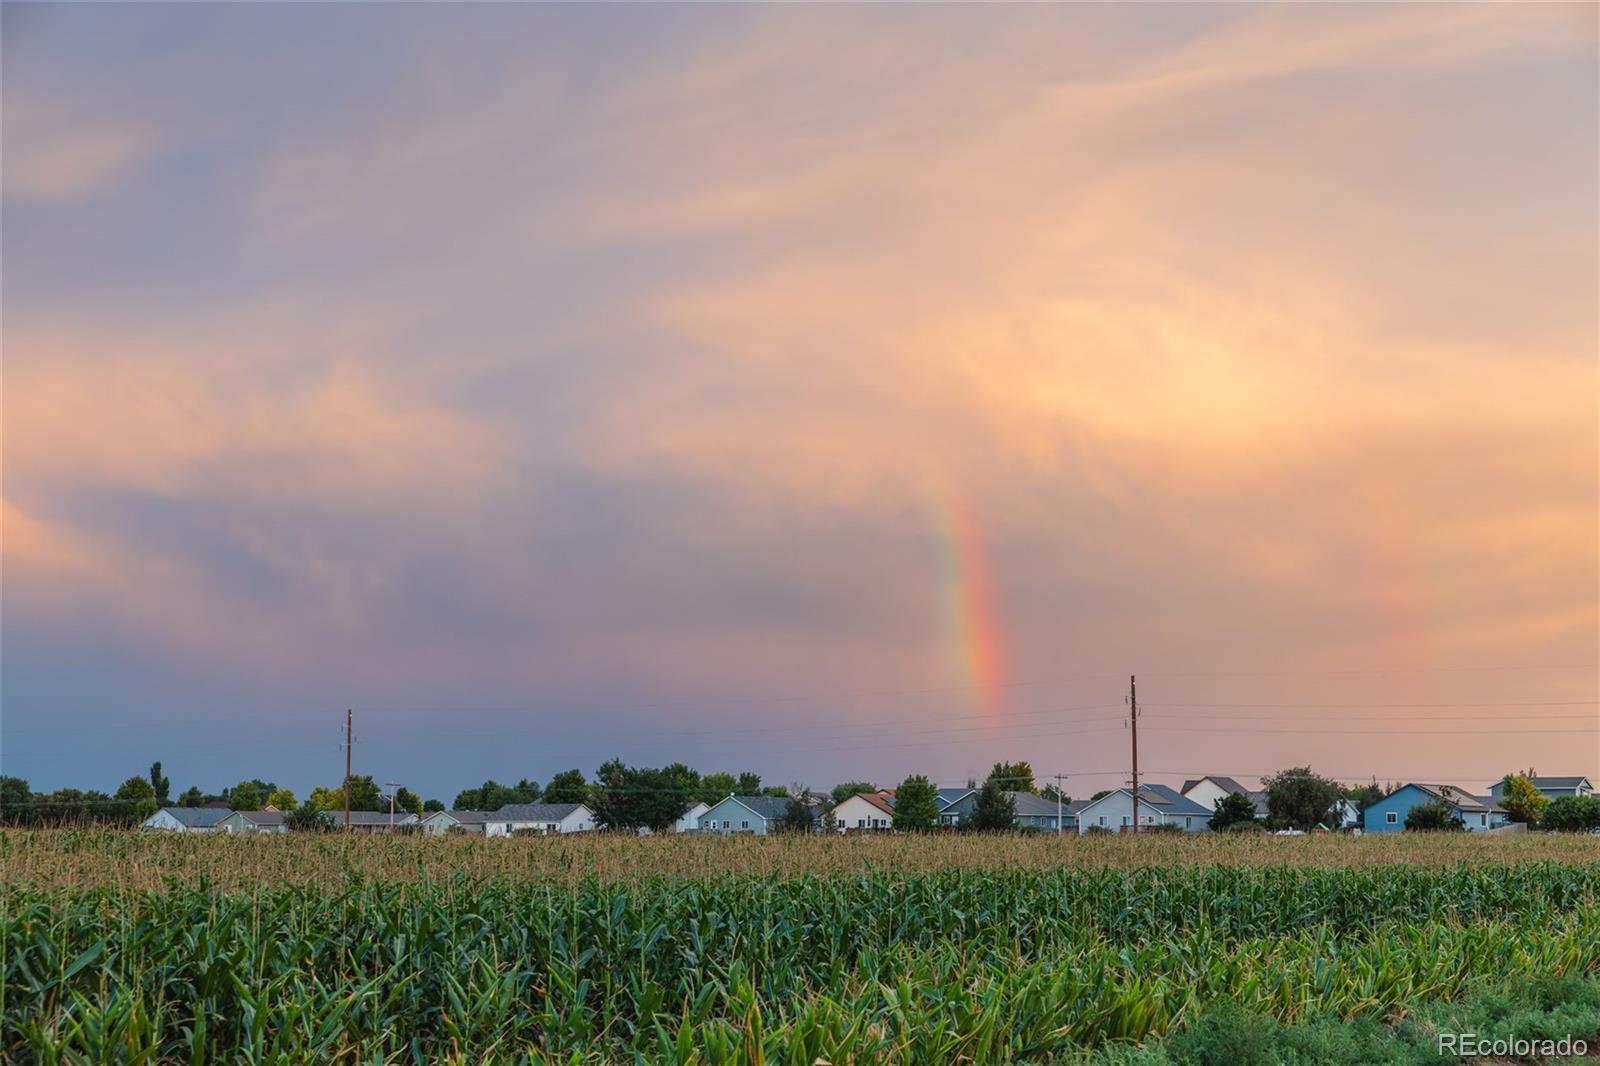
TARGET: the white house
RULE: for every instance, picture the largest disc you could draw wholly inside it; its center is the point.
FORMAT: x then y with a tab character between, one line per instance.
865	812
252	822
441	822
1552	787
543	818
186	819
1159	805
689	820
1206	791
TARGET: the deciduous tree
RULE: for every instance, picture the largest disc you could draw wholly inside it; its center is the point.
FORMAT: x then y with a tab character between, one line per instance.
994	811
1299	799
1522	799
916	804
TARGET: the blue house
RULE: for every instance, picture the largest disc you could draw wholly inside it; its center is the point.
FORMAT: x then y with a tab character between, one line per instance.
954	803
746	814
1478	813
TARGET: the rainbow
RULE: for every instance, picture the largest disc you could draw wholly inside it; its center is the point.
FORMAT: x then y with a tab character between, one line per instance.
975	618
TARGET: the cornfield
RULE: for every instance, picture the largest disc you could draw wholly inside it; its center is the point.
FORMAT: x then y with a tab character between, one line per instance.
851	961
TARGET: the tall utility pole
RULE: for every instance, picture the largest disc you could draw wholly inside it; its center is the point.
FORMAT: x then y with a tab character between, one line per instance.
349	734
1133	730
1059	778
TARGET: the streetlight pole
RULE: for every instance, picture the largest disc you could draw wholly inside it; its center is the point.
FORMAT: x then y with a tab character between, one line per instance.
1059	778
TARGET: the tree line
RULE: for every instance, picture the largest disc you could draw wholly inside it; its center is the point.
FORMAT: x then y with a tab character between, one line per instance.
654	798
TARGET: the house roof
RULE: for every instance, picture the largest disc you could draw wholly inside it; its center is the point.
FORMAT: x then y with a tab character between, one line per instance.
1459	797
1029	805
1558	782
196	817
533	812
1161	798
1227	784
463	817
950	796
370	817
883	801
768	807
258	817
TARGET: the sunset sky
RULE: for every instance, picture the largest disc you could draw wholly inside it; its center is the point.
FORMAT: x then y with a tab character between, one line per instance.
831	392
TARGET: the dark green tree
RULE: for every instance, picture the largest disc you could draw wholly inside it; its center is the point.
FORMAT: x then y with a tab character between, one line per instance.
430	806
568	786
776	791
1236	808
749	784
799	816
916	804
1364	796
845	789
192	797
1013	776
159	783
994	811
717	787
138	797
364	794
308	819
407	800
1572	814
16	800
245	796
1299	799
627	797
1433	816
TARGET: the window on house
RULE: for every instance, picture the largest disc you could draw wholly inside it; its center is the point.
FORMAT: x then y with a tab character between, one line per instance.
1102	819
861	823
1483	819
744	824
1391	817
1188	821
1124	819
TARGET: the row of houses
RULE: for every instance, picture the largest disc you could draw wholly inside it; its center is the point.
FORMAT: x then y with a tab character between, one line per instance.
1188	809
514	818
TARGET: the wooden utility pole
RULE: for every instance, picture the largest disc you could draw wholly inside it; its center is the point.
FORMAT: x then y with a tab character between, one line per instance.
1059	778
349	734
1133	730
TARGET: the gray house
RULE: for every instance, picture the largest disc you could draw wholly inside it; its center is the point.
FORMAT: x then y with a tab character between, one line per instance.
186	819
1552	787
252	822
440	822
370	821
1159	805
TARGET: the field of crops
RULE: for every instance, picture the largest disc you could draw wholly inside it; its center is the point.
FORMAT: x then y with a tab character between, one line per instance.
121	947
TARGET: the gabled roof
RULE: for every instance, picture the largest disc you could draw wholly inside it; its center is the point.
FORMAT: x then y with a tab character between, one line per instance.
883	801
369	817
1459	798
767	807
1161	798
1559	782
695	808
950	796
1029	805
534	812
195	817
462	817
1227	784
267	818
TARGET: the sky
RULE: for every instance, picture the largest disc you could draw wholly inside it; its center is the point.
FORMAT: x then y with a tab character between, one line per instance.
834	392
